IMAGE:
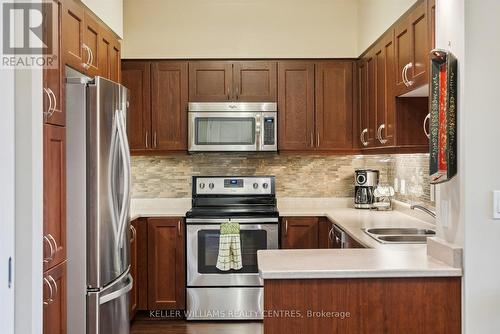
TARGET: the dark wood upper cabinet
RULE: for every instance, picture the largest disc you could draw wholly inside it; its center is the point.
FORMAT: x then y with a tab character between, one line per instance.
295	105
169	105
166	264
115	60
300	233
222	81
91	44
334	105
72	37
210	81
254	81
54	195
53	101
109	50
54	300
412	48
431	13
363	110
136	76
383	56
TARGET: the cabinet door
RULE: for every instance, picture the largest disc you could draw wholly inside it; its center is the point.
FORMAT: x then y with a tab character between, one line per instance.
104	51
53	102
91	44
166	264
371	72
137	78
300	233
115	57
72	35
363	110
334	107
296	105
384	95
210	81
54	195
431	14
255	81
54	300
420	46
133	267
109	55
402	43
169	105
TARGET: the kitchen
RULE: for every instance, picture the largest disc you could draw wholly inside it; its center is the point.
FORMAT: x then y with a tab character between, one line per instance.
311	134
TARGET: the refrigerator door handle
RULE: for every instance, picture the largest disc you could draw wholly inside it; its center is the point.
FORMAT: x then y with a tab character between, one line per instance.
118	293
125	153
112	167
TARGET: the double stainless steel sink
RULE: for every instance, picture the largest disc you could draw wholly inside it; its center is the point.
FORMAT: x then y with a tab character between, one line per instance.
400	235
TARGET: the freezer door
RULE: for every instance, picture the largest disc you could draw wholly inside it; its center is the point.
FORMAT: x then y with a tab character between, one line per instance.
108	184
108	310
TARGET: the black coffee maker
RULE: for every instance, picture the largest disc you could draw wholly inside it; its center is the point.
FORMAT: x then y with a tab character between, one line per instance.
366	180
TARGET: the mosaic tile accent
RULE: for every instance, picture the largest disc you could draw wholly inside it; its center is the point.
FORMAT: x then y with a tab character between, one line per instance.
296	175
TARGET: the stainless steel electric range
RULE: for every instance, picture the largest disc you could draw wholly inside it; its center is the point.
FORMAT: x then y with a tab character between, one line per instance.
236	294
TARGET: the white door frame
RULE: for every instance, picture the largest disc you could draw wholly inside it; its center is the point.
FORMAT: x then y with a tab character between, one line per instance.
7	195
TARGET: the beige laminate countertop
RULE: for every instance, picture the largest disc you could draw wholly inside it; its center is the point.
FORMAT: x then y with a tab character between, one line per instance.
378	260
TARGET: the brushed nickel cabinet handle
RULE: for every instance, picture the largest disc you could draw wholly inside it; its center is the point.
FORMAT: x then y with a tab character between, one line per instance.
179	228
51	279
86	65
51	238
147	139
51	256
48	113
228	92
427	118
362	137
134	234
286	227
379	134
49	300
403	75
317	139
154	140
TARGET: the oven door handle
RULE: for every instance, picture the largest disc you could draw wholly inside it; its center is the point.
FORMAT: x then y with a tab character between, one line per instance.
215	227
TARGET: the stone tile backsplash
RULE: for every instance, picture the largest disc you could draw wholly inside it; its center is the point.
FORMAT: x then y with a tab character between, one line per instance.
296	175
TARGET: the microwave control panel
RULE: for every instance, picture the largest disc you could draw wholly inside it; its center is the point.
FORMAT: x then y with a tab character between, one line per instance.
269	131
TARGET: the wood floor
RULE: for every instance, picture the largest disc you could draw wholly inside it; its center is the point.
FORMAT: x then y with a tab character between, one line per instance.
196	327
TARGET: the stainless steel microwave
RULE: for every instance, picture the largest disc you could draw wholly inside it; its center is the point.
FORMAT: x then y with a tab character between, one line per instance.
232	126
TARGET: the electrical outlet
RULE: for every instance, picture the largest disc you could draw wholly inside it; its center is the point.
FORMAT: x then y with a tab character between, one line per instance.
496	204
402	189
396	184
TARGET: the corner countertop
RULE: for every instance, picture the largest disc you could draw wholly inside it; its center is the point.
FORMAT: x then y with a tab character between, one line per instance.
378	260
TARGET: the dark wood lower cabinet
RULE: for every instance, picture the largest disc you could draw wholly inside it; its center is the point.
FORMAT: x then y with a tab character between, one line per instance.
166	264
299	232
364	305
139	266
133	267
54	300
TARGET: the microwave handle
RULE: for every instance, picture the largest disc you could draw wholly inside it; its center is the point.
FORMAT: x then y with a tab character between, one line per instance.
258	132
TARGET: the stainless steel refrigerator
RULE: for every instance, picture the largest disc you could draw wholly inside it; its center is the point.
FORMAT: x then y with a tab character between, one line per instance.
98	200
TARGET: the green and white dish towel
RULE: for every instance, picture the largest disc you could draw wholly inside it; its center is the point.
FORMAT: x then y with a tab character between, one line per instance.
229	247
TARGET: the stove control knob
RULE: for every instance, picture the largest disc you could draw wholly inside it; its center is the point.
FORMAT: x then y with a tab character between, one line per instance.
265	185
255	185
202	185
211	185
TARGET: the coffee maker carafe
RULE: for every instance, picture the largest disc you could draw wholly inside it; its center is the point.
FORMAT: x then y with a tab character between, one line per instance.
366	180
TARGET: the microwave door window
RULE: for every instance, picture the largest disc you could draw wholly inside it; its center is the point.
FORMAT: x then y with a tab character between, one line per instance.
225	131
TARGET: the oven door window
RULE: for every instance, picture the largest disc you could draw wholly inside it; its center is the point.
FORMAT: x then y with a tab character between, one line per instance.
225	130
208	250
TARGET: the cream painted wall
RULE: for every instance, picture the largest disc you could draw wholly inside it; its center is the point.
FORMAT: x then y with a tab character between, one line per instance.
375	16
110	12
239	28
